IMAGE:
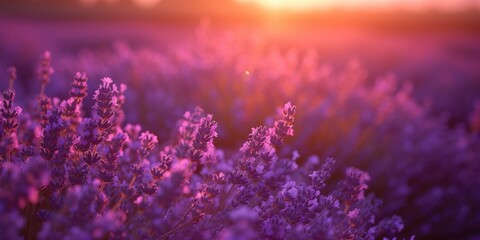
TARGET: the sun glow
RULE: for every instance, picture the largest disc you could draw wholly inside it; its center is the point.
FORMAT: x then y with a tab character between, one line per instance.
302	5
288	4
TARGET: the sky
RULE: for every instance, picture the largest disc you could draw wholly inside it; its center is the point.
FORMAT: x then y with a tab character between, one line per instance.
300	5
414	5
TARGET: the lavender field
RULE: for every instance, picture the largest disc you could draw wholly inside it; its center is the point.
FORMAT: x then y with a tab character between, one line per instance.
179	125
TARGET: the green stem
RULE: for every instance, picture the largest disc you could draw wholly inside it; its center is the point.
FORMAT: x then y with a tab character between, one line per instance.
102	186
174	228
164	237
133	180
42	89
117	204
315	219
188	166
165	213
222	201
347	207
30	221
250	205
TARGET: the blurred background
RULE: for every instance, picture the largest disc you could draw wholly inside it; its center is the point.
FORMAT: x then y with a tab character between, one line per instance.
432	44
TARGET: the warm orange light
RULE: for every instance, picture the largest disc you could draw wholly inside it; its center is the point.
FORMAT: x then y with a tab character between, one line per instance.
288	4
146	3
301	5
276	4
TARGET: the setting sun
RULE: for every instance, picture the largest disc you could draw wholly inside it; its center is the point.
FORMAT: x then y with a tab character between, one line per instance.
287	4
280	4
301	5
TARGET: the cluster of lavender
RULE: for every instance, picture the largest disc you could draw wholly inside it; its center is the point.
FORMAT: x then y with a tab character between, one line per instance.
68	176
415	159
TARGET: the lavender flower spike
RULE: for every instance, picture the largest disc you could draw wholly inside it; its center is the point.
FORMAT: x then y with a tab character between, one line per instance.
203	138
105	102
283	127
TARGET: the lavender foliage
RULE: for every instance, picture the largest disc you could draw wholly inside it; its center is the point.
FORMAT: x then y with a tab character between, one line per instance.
421	164
108	180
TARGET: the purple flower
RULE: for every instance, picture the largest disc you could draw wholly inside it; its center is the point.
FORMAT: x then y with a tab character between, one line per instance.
45	105
319	177
187	127
9	112
89	135
45	70
105	103
148	142
283	127
51	134
255	142
203	138
163	165
352	188
77	175
9	119
79	87
148	188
